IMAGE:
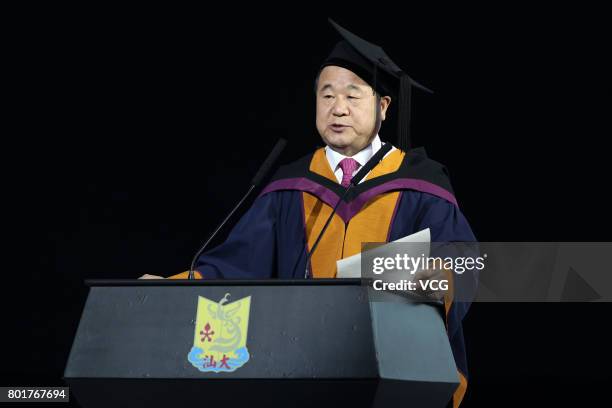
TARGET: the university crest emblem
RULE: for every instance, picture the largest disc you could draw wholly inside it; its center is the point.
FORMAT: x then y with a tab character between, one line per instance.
219	343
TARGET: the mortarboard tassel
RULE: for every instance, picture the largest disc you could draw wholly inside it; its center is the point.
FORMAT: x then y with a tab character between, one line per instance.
403	110
375	77
374	87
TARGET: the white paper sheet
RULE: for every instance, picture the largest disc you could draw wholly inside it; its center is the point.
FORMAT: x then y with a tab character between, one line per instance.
351	267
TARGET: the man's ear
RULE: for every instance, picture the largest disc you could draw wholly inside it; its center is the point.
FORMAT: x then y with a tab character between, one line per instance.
384	102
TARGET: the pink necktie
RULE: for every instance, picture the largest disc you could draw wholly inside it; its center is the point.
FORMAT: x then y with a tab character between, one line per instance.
348	166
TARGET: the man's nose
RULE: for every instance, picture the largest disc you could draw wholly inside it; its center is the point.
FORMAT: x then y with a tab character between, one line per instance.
340	107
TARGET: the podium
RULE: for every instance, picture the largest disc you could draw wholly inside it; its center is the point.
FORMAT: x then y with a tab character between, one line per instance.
272	343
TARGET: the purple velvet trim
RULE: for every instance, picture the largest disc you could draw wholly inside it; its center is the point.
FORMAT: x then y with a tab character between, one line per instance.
346	211
303	184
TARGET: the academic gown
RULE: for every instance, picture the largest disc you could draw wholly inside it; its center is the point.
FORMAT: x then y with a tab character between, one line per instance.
403	194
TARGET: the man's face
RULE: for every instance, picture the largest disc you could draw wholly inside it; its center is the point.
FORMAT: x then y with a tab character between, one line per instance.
346	110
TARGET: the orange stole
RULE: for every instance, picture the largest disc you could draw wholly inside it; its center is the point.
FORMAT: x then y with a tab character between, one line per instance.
460	391
448	301
370	224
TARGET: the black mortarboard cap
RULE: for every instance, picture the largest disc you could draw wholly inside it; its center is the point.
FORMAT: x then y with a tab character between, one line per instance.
371	63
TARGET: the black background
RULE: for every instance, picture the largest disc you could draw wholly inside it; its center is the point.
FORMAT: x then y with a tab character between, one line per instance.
133	132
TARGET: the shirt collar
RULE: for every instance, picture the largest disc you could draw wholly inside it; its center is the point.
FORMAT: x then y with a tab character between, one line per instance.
333	157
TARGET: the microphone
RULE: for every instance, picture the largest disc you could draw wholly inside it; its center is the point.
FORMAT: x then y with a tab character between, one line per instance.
257	179
374	160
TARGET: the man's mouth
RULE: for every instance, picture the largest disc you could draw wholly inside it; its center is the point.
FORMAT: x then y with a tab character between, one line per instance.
338	128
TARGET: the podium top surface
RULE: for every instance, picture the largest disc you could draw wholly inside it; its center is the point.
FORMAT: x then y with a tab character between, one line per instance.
222	282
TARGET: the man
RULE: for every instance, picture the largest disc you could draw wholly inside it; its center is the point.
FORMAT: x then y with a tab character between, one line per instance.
405	193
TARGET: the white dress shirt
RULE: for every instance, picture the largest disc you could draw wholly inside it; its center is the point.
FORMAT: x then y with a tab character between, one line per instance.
334	158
